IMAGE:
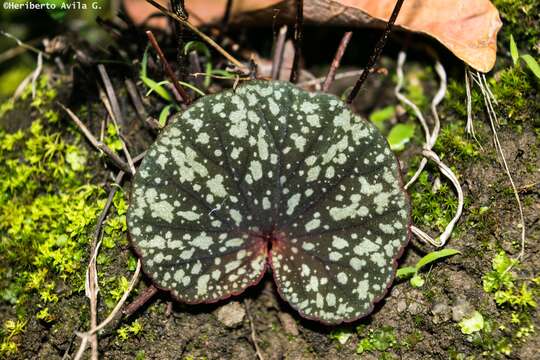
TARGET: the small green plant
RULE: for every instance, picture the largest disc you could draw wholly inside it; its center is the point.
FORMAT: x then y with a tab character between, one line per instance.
377	340
10	330
472	324
531	62
133	329
341	335
507	289
412	272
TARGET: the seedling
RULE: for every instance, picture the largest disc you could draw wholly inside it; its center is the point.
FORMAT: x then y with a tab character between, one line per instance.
270	176
412	272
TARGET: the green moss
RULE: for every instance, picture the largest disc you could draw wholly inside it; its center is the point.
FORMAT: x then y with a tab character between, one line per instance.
517	95
432	207
380	340
49	204
455	145
521	18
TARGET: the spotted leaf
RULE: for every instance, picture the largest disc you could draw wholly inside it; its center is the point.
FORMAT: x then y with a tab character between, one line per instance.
271	176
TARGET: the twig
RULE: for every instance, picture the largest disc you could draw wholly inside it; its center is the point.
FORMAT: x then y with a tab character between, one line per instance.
226	16
205	37
121	164
91	285
115	106
140	300
376	52
36	73
85	336
298	33
253	333
136	99
24	45
337	60
179	9
279	49
184	97
108	107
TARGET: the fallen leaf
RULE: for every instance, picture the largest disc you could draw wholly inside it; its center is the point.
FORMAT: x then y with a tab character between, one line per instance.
467	28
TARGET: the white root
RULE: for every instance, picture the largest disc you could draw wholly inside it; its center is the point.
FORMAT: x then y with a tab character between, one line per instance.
489	99
431	137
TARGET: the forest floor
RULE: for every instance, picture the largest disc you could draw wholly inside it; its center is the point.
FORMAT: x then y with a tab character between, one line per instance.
54	186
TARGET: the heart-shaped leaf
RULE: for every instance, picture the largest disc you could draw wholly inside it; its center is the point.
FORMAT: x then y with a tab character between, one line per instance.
271	176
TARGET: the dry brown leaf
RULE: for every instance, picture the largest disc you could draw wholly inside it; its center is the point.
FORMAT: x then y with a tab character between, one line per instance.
467	28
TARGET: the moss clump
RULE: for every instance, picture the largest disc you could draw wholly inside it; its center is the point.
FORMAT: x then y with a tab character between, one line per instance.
516	91
521	18
49	202
432	207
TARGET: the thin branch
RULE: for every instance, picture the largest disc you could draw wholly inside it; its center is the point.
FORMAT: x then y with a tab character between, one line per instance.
279	50
140	300
121	164
108	107
24	45
136	99
337	60
91	285
115	106
298	33
85	336
253	332
36	73
226	16
184	97
376	52
205	37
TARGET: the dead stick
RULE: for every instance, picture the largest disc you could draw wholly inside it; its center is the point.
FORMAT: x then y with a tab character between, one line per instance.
92	267
136	99
122	165
298	32
277	59
140	300
108	107
337	60
184	97
205	37
376	52
253	333
226	16
115	106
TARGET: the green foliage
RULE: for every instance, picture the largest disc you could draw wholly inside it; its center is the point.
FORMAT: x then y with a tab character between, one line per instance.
150	83
341	335
380	116
377	340
400	135
507	289
133	329
472	324
532	64
521	19
453	143
413	271
272	161
48	209
514	52
431	206
8	333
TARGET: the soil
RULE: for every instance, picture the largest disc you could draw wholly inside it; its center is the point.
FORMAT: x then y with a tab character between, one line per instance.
423	320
